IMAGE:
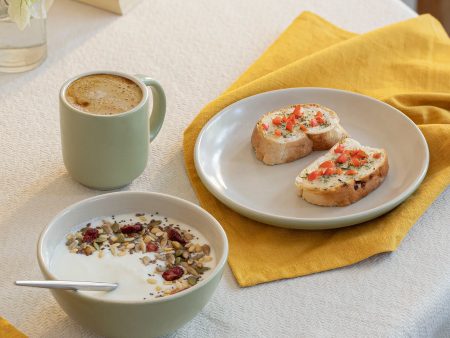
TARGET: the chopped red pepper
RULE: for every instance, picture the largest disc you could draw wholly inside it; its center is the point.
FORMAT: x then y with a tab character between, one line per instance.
339	149
376	155
277	132
276	121
319	114
329	171
355	162
289	126
320	119
303	128
361	154
326	164
297	112
342	159
339	171
314	174
351	172
284	119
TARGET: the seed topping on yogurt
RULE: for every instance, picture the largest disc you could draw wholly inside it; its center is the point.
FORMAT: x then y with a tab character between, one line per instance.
175	258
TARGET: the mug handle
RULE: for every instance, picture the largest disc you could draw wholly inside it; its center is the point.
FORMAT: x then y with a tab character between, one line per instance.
159	105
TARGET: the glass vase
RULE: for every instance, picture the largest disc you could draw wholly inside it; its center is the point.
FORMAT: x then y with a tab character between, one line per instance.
21	50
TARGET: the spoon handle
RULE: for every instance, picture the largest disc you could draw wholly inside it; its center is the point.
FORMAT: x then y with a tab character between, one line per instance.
69	285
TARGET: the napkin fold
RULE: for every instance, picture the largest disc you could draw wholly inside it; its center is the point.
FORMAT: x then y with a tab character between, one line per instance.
406	65
9	331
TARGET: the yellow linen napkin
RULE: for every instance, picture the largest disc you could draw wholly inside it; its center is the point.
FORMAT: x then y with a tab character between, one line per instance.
9	331
408	66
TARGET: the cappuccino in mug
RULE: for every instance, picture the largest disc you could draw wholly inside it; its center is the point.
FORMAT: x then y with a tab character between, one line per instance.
103	94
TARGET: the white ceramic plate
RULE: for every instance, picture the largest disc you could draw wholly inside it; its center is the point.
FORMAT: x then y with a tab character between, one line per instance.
227	165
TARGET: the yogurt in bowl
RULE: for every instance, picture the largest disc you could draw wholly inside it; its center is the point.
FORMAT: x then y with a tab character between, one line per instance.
147	254
160	289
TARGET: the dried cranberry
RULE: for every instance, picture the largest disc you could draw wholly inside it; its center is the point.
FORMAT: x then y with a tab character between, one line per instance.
174	235
173	273
151	247
129	229
90	235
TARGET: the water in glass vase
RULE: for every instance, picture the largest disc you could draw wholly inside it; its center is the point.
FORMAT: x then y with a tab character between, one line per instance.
21	50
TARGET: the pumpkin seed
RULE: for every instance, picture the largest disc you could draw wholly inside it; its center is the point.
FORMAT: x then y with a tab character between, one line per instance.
154	223
203	269
192	271
192	280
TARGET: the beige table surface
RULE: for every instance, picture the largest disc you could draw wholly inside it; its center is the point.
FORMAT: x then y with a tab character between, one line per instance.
196	49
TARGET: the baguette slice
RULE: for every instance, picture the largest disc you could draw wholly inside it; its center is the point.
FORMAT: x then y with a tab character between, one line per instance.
292	132
344	175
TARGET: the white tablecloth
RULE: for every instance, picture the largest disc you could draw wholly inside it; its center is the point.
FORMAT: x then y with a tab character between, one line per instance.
196	49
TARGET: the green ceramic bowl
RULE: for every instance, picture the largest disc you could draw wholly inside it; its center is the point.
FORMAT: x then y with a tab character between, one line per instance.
147	318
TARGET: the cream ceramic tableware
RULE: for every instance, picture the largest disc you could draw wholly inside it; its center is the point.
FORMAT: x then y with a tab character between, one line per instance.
146	318
68	285
226	163
109	151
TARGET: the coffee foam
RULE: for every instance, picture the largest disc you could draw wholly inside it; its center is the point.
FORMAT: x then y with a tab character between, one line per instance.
104	94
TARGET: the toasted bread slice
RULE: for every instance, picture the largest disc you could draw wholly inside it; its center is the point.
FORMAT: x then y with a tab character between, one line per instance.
292	132
344	175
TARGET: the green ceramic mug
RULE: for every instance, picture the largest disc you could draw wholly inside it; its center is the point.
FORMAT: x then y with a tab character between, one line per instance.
109	151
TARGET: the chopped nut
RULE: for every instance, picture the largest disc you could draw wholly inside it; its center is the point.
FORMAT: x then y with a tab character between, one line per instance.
88	250
206	249
207	259
115	227
145	260
147	239
151	281
176	245
107	228
170	258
